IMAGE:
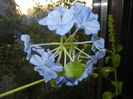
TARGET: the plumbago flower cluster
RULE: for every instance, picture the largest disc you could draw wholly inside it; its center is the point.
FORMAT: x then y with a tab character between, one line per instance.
48	61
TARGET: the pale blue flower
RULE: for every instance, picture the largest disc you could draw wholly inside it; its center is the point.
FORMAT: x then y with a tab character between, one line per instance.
26	39
60	9
45	65
60	19
63	80
88	70
60	81
89	65
100	54
98	43
27	46
85	19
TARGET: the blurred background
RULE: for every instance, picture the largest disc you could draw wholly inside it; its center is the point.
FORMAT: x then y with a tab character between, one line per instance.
21	16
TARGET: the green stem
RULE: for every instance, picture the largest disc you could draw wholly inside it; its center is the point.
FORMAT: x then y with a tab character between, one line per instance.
21	88
72	36
58	50
105	68
64	58
113	46
83	52
58	60
67	54
61	40
115	74
79	54
54	43
58	43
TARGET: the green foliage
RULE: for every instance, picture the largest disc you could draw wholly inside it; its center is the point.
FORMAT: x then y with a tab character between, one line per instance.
53	83
119	48
105	73
113	60
108	95
94	75
10	54
107	59
116	60
118	85
111	29
13	63
73	69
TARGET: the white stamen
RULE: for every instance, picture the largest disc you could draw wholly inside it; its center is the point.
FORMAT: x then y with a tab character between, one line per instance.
83	52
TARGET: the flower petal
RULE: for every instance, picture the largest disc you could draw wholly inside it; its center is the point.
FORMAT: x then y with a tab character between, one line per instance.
76	8
68	17
64	29
53	27
26	39
56	67
60	9
43	21
100	53
36	60
38	49
60	81
88	68
49	74
46	73
92	26
40	69
99	43
54	18
96	16
84	76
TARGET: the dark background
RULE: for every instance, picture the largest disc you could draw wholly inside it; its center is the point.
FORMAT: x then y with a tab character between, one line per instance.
122	11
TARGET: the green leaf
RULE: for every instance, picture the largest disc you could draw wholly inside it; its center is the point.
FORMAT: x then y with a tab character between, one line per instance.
105	71
119	48
94	75
116	60
119	85
73	69
107	59
108	95
53	83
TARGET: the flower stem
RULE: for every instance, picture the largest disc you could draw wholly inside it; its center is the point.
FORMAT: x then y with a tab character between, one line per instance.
54	43
64	58
116	90
21	88
59	57
57	43
79	54
67	54
83	52
85	42
54	49
70	38
104	68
